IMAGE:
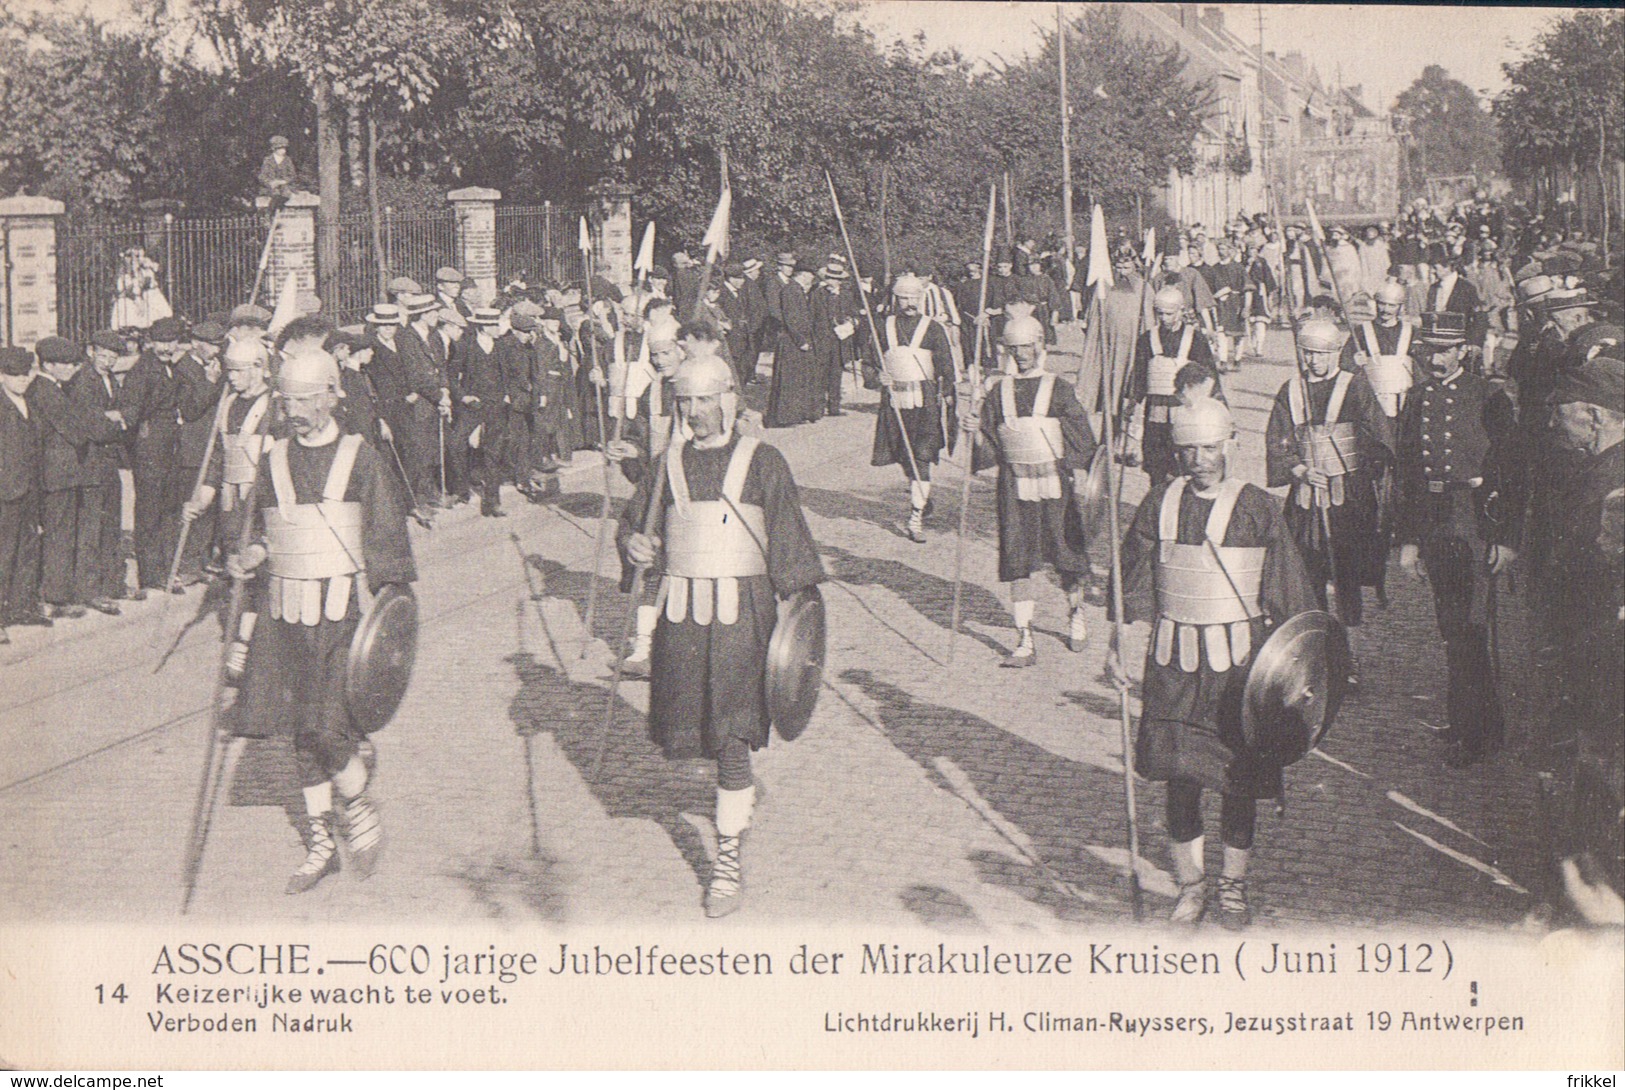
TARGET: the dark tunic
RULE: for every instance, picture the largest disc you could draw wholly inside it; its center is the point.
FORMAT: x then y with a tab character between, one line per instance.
797	389
1156	444
1586	592
708	682
1359	551
295	682
1190	726
931	426
1233	276
1035	532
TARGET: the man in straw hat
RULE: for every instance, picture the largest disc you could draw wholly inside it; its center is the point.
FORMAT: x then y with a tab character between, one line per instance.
1460	515
329	527
732	541
1210	562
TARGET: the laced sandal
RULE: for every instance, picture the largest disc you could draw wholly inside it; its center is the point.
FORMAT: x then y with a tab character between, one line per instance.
1234	911
1192	903
1025	653
915	529
321	856
363	834
726	892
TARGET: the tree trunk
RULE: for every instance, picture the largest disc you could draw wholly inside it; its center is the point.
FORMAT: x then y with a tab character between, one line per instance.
374	215
353	145
1602	183
885	238
329	157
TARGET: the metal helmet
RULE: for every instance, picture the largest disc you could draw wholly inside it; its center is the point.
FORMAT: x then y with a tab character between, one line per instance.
1022	331
1168	297
247	352
706	374
1390	292
1320	335
1205	420
308	371
908	286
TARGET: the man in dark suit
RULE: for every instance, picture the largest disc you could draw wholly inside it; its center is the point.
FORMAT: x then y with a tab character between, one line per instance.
1451	292
482	406
427	395
21	456
159	393
757	309
99	390
734	299
70	519
202	368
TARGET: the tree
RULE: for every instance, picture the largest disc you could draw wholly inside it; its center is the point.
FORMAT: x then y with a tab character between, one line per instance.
1451	133
81	103
1565	101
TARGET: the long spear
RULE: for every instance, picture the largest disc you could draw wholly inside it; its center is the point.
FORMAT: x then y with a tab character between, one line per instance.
186	524
214	759
585	243
1320	242
716	240
869	314
976	405
1100	274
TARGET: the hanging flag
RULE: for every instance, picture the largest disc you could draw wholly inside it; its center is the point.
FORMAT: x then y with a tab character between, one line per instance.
645	262
1149	253
287	304
716	235
1100	262
584	242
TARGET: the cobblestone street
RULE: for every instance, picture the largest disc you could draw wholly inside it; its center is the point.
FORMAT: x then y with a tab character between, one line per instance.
932	788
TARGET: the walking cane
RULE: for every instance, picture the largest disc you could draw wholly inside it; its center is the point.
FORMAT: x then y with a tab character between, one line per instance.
216	753
406	483
603	448
976	405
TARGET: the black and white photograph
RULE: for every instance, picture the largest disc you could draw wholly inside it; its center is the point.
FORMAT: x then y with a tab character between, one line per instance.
887	524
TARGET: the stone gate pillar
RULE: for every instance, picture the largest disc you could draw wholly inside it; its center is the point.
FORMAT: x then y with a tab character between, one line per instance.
477	235
615	237
28	269
293	250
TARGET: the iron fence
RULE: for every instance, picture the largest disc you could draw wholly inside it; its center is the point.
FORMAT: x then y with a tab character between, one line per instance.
128	272
537	242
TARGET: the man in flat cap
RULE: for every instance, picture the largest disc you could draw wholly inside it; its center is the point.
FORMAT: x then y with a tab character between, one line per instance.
1588	593
22	450
72	506
448	291
163	390
1461	478
329	529
202	362
98	390
1206	538
278	177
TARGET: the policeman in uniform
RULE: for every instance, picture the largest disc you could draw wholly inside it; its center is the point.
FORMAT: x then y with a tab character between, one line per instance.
1329	440
917	388
731	539
1460	514
330	531
1382	349
1038	435
1167	346
1211	563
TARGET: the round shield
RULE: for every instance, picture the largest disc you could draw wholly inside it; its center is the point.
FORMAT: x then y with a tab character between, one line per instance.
1295	685
795	662
381	655
1093	493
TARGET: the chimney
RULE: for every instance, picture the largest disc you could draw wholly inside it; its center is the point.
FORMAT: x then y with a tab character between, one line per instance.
1213	19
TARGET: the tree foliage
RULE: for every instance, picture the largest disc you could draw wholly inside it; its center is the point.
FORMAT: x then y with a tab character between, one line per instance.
1451	133
1565	100
559	99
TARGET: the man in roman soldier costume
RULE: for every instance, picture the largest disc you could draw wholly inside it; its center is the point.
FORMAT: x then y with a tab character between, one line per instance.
1330	441
329	528
728	533
1167	346
1382	349
1038	435
646	403
917	398
1460	515
244	420
1210	562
